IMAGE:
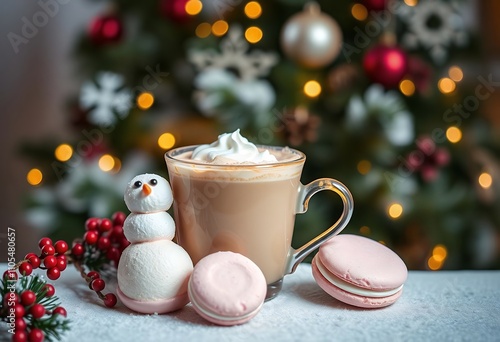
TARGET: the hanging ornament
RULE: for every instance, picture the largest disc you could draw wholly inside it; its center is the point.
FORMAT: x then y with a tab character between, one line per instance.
300	126
374	5
311	38
427	159
342	77
104	98
174	10
420	73
106	29
434	25
386	65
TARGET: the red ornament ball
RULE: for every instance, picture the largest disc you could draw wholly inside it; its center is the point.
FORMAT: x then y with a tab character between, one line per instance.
105	30
50	261
44	241
61	247
91	237
48	250
175	10
77	249
374	5
386	65
37	311
92	223
97	284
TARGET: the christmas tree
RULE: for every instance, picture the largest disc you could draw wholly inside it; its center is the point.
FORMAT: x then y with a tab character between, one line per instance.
382	95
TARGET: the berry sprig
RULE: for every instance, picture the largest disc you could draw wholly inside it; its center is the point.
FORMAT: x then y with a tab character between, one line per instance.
31	309
36	313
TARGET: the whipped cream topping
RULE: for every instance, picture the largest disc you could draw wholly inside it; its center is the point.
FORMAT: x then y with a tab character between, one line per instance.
232	148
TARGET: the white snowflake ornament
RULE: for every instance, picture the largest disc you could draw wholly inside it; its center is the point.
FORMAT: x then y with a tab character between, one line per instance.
434	25
104	98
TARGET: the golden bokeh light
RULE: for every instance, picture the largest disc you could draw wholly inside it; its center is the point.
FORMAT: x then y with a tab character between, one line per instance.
312	88
219	28
453	134
253	10
364	166
439	252
407	87
145	100
166	141
365	230
485	180
446	85
63	152
34	177
203	30
395	210
455	73
411	3
253	34
434	264
193	7
106	163
359	12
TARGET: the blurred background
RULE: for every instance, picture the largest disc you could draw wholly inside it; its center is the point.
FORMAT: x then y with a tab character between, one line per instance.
397	99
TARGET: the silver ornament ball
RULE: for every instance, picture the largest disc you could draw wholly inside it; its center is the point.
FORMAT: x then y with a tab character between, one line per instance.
311	38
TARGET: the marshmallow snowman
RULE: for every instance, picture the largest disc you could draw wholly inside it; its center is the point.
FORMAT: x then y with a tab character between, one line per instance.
153	271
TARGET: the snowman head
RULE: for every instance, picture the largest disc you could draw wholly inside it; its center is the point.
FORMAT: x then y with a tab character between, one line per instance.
148	193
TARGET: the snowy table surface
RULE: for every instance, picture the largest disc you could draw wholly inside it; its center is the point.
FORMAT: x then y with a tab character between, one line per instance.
435	306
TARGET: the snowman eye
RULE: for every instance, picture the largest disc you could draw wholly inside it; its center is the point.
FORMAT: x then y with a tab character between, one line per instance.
137	184
153	182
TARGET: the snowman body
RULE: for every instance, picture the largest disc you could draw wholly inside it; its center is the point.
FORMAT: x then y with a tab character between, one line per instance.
153	271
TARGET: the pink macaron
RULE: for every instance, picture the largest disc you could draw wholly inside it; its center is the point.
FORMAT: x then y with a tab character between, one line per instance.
359	271
227	288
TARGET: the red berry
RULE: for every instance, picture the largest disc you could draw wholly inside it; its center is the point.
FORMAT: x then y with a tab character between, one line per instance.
103	243
105	225
36	335
44	241
50	290
20	336
124	243
93	275
117	233
91	237
62	257
10	275
19	310
33	259
77	249
20	324
37	311
113	254
97	284
118	218
53	273
110	300
92	223
50	261
28	297
61	264
48	250
60	311
11	297
61	247
25	268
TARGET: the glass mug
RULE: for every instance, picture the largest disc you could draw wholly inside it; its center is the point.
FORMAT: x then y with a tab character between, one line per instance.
248	209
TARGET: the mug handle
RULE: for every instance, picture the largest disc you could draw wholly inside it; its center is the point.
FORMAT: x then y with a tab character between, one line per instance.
305	194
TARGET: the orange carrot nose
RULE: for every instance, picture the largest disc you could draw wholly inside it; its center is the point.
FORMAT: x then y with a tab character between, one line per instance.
146	189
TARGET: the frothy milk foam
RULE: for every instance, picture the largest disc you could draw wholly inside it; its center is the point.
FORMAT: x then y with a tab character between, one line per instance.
245	205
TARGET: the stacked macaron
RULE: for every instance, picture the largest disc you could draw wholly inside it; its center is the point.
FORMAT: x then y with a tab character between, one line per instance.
359	271
227	288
